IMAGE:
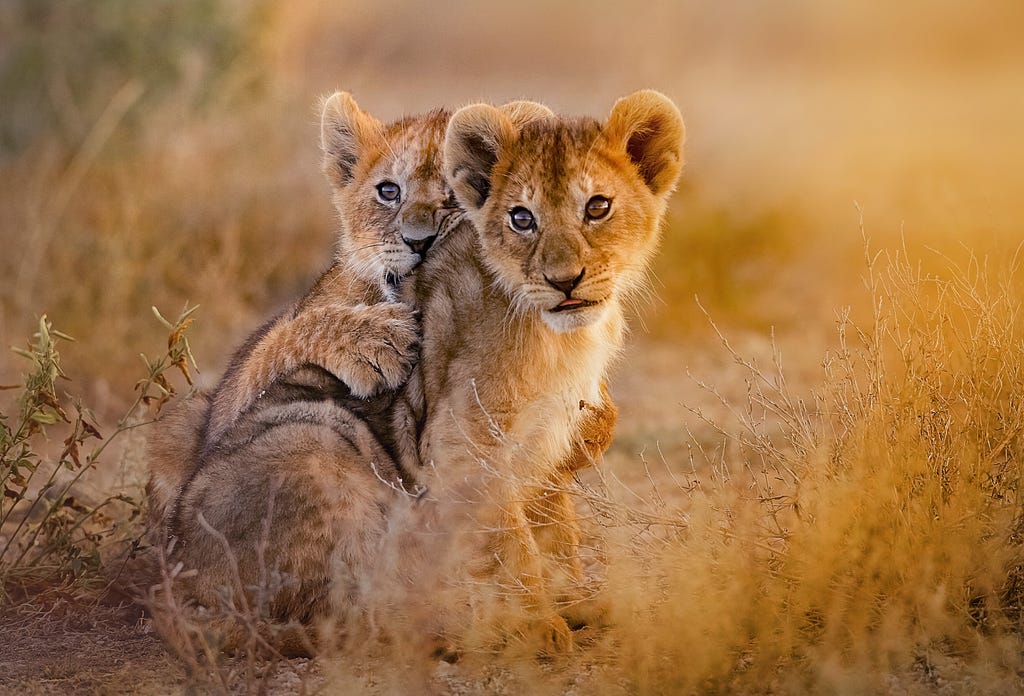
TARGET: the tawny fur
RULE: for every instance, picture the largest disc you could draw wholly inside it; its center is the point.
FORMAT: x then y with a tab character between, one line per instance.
501	376
281	482
348	323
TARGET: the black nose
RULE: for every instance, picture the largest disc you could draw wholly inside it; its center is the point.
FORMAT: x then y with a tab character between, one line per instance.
420	246
568	285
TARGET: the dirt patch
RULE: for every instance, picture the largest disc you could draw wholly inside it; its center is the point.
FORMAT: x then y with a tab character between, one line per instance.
98	651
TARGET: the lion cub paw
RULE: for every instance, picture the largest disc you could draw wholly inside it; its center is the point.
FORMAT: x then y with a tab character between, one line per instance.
379	349
556	637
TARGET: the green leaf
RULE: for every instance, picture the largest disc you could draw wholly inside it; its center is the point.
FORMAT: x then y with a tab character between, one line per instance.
44	417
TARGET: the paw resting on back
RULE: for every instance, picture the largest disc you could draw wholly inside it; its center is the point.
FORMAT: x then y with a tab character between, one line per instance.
377	350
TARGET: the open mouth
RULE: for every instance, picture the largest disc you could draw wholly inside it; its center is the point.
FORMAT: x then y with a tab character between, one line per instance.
572	303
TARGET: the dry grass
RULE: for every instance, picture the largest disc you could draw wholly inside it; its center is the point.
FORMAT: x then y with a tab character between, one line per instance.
859	538
855	530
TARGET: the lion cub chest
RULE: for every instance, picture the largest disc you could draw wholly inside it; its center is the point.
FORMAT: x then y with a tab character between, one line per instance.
507	399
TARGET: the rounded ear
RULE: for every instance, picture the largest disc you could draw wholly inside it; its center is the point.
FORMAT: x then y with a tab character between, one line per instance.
474	138
345	133
648	126
523	112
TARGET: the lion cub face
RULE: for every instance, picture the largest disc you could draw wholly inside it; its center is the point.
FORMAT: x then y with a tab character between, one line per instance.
388	187
567	210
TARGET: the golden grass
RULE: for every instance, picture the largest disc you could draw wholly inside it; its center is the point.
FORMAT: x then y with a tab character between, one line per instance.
863	538
851	540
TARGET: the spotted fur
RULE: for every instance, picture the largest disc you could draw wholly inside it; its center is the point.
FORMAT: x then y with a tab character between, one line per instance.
349	323
282	477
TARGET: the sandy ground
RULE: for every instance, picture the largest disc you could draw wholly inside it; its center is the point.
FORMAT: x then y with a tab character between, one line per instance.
96	652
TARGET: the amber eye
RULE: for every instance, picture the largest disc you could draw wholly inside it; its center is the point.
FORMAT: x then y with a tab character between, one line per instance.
598	207
388	191
522	219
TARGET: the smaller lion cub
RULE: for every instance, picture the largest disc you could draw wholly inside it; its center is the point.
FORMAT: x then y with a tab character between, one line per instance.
393	204
278	427
392	208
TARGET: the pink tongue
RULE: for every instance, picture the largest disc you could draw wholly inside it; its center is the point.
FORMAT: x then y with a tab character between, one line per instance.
565	304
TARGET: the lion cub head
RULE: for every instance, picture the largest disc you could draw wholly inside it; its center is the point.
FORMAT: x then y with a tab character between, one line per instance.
388	187
567	209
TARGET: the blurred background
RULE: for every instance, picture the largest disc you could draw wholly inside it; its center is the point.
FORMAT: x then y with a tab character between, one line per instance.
164	152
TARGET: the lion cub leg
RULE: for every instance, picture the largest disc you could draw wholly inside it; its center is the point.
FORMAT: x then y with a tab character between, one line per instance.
553	519
479	581
594	436
555	529
370	348
515	547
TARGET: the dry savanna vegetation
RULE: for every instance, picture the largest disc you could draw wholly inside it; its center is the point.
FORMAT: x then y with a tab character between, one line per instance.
816	481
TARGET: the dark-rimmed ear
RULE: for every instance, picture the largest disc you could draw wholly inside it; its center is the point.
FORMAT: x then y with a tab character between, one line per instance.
472	143
648	126
523	112
345	133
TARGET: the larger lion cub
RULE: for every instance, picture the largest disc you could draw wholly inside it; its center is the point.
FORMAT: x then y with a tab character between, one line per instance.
522	314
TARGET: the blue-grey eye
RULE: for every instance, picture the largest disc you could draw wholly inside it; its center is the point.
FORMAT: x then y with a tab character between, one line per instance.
388	191
522	219
598	207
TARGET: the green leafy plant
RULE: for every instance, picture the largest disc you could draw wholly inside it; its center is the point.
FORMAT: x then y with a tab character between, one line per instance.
50	536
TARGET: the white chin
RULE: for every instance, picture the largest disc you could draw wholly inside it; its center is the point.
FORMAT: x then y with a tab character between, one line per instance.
407	265
397	268
570	320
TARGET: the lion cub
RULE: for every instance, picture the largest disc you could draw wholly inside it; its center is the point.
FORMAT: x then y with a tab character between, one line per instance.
522	314
392	208
281	473
348	328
